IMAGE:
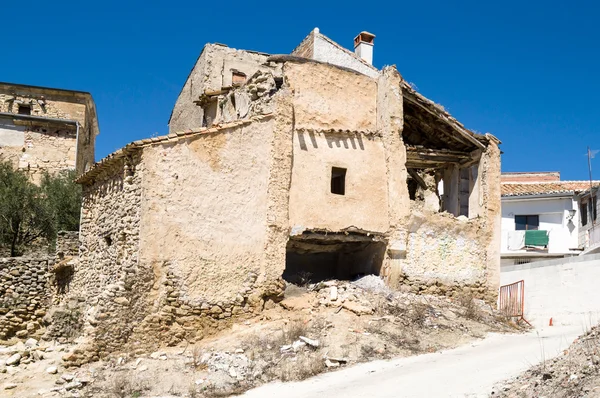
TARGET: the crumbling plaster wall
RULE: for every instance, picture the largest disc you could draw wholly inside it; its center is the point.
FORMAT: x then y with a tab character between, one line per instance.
390	123
38	146
448	255
334	121
56	108
204	210
329	98
213	71
490	201
364	204
49	148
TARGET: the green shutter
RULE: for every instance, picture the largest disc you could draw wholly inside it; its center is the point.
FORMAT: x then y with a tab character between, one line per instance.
536	238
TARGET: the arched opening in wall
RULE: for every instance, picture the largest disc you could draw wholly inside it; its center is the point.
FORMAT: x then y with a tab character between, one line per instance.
312	257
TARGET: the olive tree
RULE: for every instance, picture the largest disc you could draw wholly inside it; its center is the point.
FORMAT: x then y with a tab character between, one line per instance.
32	214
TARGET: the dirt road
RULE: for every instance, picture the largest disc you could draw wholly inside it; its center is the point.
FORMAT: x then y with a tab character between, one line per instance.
467	371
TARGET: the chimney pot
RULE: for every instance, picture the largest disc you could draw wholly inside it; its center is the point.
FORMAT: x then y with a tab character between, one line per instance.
363	46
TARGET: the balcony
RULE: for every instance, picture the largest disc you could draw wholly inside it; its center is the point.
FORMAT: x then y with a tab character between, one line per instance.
537	241
526	240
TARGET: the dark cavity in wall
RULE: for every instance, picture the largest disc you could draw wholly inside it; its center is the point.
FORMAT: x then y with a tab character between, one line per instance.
62	279
332	256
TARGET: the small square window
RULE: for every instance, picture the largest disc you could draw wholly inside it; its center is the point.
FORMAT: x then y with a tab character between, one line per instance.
527	223
338	181
237	77
24	110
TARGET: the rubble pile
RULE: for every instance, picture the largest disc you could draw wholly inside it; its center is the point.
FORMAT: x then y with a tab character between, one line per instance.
21	357
574	374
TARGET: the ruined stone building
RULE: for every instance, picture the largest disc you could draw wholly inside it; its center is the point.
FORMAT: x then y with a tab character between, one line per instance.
296	167
47	129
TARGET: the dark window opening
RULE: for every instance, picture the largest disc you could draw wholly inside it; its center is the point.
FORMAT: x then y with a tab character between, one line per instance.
527	223
278	82
338	181
24	110
594	209
464	192
315	261
584	213
412	188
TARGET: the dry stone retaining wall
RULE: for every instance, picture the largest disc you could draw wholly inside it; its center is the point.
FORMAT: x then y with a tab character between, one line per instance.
24	294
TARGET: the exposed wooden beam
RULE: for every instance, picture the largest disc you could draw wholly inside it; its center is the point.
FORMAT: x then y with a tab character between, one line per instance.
462	132
413	173
417	157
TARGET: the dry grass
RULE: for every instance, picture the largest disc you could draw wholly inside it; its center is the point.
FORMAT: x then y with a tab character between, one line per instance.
418	314
306	365
294	330
128	386
471	309
212	391
367	352
197	358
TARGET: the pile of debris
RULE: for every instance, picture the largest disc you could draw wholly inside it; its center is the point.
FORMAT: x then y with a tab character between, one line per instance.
574	374
32	355
317	327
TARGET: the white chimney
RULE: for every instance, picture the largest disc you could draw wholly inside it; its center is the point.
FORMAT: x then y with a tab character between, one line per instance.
363	46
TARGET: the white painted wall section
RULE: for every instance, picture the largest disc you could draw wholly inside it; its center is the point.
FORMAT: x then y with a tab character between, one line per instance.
11	135
326	51
565	290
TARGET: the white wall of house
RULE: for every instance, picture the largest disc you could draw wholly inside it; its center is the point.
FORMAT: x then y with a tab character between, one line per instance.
565	290
553	214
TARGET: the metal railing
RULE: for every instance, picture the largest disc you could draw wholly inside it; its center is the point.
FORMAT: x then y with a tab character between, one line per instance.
511	301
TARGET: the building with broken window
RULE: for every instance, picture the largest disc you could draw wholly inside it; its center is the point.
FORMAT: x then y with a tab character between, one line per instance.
47	129
300	167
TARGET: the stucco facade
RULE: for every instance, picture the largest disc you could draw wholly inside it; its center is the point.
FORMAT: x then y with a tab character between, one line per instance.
47	130
298	176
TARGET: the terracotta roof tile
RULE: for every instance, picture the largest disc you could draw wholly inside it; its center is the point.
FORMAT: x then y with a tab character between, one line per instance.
544	188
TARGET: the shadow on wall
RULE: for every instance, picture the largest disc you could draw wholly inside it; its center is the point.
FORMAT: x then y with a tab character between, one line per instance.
346	141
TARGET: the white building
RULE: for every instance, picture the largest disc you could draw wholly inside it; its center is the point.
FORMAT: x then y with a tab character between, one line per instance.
541	217
589	232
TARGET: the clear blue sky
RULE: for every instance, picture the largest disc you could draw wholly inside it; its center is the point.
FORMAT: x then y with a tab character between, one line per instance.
526	71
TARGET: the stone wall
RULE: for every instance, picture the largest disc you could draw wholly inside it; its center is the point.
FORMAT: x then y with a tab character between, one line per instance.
38	145
445	255
212	71
67	244
183	234
56	109
177	265
24	294
50	149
